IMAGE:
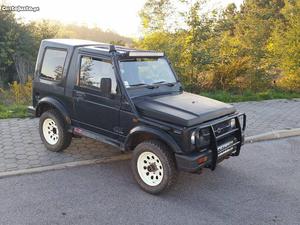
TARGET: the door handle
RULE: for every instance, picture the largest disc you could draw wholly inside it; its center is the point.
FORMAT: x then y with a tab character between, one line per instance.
79	95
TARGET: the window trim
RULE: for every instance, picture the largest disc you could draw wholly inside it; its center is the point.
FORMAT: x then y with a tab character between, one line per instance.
63	69
93	88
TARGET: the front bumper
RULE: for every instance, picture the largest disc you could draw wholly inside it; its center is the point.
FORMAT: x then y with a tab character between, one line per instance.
218	150
195	161
190	162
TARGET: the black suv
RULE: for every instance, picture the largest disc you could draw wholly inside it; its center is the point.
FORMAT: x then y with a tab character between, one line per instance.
131	99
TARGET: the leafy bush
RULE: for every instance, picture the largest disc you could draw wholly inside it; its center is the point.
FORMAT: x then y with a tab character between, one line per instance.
15	99
17	93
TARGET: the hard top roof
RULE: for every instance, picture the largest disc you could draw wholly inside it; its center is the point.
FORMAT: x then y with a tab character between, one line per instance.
93	46
71	42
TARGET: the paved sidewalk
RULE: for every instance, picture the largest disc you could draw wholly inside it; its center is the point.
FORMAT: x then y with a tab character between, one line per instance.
22	148
269	115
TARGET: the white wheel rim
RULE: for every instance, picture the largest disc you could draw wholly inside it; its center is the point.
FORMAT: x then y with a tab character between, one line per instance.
150	168
50	131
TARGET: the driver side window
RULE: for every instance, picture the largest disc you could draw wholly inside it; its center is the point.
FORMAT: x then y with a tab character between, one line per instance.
92	70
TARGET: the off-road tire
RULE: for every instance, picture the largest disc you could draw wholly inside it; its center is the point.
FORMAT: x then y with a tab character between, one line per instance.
167	160
64	137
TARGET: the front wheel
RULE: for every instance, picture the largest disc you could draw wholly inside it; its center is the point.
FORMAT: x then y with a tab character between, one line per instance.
153	166
53	131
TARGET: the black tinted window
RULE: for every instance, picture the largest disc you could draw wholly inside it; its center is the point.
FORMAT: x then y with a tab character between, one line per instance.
93	70
53	64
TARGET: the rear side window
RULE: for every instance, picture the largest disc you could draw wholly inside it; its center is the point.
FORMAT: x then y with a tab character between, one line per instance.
53	64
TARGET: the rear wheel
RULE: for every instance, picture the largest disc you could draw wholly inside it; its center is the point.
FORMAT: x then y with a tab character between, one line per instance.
53	131
153	166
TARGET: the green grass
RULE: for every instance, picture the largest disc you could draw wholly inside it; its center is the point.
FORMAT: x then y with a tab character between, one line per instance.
250	95
13	111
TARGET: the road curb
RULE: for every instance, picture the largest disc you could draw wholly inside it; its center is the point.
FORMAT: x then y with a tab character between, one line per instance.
273	135
64	165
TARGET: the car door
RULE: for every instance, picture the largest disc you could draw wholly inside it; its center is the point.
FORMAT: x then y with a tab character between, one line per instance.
94	110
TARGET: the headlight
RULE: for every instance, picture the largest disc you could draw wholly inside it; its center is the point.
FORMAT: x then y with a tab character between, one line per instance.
232	123
193	138
204	138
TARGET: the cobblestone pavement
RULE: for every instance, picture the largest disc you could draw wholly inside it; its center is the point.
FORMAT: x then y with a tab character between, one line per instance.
270	115
21	146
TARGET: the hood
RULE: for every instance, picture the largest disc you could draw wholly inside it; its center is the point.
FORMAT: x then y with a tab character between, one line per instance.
183	109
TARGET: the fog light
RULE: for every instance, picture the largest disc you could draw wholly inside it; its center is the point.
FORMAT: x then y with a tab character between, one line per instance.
202	160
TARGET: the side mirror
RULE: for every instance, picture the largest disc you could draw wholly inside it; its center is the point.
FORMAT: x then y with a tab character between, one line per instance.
105	86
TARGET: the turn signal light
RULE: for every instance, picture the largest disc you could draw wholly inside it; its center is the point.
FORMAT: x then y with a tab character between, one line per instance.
202	160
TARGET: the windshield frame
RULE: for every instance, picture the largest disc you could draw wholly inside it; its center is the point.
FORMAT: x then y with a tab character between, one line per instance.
153	85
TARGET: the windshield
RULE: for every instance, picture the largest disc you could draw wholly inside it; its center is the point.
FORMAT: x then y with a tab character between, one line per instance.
146	71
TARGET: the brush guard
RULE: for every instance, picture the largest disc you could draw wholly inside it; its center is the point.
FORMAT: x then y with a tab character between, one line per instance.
223	145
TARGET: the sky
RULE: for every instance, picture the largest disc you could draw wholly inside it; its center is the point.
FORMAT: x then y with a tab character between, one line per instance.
120	16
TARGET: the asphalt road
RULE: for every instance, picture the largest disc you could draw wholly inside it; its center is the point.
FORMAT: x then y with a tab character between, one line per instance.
262	186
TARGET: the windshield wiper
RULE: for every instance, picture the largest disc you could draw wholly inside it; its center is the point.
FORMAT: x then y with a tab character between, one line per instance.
144	84
165	82
136	85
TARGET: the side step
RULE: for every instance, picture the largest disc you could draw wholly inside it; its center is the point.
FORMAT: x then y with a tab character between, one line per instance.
99	137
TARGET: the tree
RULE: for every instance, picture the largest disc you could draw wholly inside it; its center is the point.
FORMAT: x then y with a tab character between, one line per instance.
154	15
8	39
216	50
19	44
284	47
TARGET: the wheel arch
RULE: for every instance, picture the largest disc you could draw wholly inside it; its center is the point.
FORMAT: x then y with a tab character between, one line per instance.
47	103
142	133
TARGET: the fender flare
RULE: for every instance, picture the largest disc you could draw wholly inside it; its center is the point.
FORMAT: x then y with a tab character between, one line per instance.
55	104
153	131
